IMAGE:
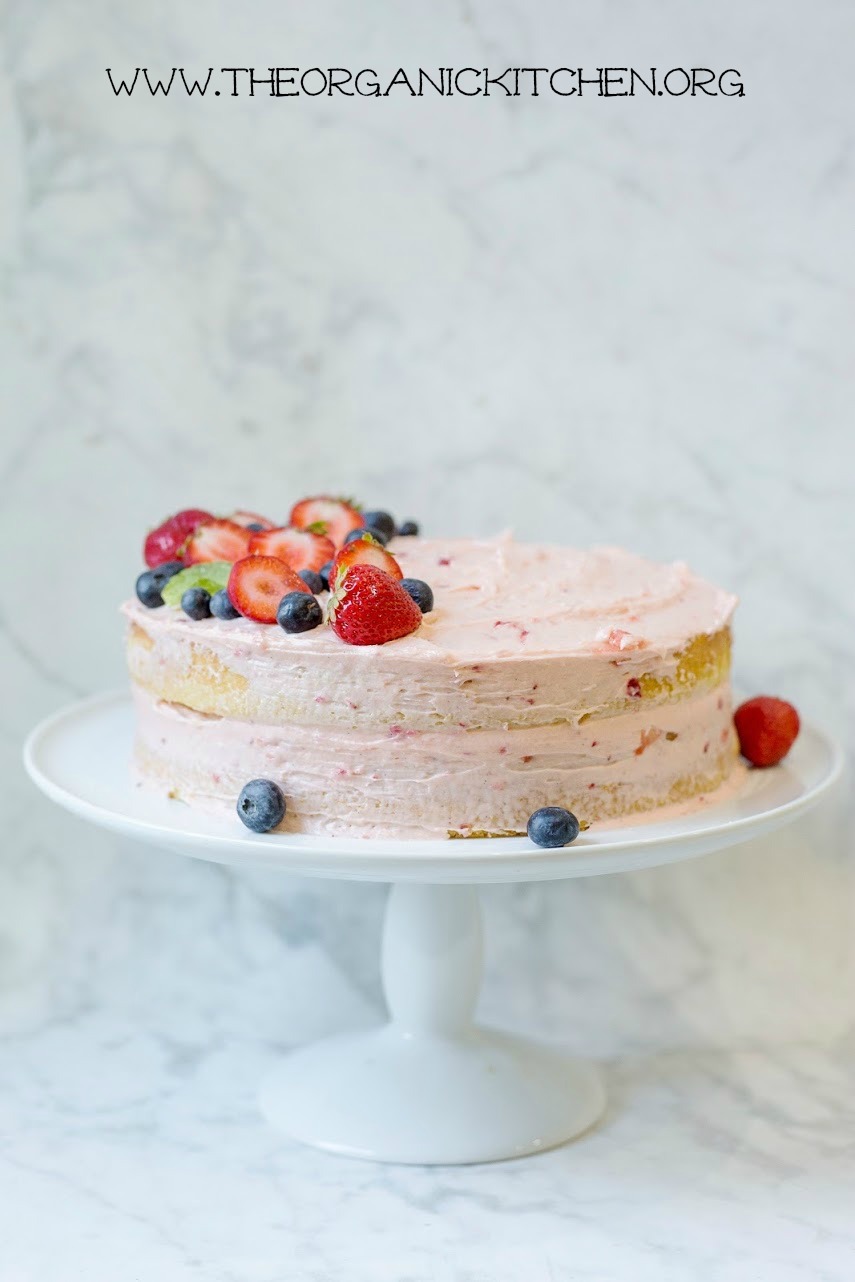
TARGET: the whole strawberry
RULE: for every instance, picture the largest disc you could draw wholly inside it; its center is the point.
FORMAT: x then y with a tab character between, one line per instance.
369	607
767	729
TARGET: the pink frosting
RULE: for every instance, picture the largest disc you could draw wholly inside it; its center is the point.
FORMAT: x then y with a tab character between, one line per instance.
496	598
396	782
521	687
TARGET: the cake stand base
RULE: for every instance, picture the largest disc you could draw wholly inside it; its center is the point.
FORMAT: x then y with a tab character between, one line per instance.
432	1087
427	1100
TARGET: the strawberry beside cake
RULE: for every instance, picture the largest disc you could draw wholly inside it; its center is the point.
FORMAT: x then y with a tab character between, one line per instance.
381	684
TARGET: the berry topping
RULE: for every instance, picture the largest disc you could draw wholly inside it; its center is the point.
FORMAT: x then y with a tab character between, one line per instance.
251	521
767	729
365	551
221	606
299	612
325	571
313	581
408	527
420	592
210	575
553	826
370	608
261	805
217	541
367	532
300	549
151	583
381	521
196	603
325	515
258	583
166	543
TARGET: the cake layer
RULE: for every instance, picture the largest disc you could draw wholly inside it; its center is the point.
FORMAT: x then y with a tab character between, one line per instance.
520	635
402	782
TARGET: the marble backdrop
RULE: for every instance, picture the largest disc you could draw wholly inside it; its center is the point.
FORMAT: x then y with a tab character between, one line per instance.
592	321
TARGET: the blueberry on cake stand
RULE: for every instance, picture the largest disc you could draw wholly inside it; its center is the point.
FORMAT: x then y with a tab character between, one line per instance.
431	1085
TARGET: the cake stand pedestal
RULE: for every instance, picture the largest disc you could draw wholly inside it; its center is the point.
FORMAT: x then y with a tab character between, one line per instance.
430	1086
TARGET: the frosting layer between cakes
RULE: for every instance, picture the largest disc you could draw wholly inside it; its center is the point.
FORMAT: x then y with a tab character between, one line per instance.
544	676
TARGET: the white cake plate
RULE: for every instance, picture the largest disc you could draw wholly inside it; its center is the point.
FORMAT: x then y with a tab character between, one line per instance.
430	1086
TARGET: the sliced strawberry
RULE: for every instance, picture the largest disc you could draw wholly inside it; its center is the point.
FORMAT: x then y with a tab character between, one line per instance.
300	549
767	729
166	543
217	541
250	519
258	583
325	515
363	552
370	608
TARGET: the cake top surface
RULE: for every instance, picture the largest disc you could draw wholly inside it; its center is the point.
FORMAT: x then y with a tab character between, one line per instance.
501	599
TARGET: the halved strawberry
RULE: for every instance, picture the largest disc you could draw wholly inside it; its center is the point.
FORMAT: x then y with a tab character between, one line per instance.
166	543
370	608
363	552
250	519
217	541
258	583
325	515
300	549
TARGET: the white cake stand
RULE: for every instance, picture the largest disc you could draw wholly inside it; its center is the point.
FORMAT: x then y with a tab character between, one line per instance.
431	1085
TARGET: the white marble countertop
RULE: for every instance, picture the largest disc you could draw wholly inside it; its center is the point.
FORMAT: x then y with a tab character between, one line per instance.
130	1144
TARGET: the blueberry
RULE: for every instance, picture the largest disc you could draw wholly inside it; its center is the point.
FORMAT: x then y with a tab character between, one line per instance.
420	592
261	805
196	603
255	526
313	581
299	612
361	533
221	606
325	572
166	571
381	521
553	826
151	583
148	590
408	527
380	535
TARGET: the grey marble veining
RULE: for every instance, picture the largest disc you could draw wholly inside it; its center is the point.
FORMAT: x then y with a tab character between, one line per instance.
606	321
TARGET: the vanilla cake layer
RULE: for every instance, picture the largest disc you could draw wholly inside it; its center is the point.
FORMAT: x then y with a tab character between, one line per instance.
438	783
594	680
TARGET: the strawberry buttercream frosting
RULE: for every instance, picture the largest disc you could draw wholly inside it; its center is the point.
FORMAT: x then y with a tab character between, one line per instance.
544	675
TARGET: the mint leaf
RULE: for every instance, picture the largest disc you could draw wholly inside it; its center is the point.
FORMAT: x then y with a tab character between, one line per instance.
210	575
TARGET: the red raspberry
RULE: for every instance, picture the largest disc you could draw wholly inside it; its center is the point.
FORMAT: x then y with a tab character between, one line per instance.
167	542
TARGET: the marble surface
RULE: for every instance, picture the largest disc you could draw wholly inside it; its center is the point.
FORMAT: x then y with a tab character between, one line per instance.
599	321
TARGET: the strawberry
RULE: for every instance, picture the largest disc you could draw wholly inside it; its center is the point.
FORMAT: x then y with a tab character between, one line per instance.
324	515
370	608
217	541
767	729
363	552
300	549
258	583
250	519
166	543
